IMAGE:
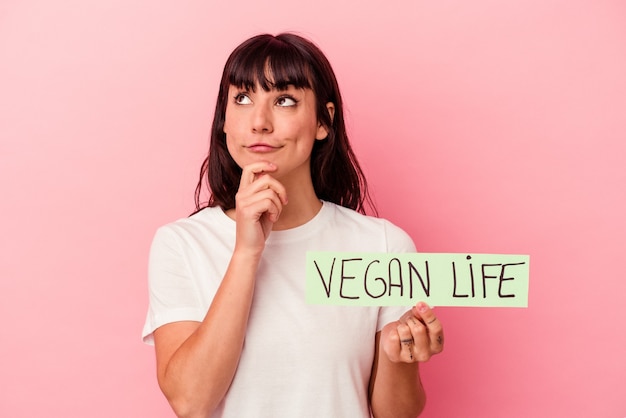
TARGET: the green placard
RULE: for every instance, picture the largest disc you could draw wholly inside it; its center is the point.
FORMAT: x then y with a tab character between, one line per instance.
439	279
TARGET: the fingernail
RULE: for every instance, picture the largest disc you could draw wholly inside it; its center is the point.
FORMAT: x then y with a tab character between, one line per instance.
422	307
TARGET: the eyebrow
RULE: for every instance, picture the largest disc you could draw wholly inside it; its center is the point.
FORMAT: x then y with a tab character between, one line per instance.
273	87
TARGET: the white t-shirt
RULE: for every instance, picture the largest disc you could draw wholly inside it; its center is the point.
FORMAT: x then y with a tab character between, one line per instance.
298	360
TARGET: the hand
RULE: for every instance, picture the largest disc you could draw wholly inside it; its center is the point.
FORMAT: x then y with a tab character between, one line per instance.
258	204
416	336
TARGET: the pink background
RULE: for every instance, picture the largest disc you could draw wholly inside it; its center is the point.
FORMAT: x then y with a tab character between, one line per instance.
484	126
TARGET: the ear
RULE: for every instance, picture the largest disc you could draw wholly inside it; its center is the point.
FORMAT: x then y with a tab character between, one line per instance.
322	131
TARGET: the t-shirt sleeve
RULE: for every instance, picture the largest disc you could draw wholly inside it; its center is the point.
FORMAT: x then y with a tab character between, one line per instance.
172	291
398	241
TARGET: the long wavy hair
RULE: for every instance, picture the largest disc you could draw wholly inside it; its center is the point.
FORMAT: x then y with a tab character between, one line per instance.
276	62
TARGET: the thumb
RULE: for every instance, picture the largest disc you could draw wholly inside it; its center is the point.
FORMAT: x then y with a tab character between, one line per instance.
424	312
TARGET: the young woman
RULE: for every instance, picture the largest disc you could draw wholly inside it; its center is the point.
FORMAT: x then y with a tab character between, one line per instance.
233	334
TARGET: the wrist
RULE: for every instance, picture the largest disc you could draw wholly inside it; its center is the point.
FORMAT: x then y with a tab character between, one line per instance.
246	256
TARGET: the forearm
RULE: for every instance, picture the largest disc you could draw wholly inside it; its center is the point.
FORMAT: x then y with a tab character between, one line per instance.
199	372
396	389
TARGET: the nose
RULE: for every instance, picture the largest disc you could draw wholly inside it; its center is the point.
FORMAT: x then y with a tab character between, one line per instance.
262	120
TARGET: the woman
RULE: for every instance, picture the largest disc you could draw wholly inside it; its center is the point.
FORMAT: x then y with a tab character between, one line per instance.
232	332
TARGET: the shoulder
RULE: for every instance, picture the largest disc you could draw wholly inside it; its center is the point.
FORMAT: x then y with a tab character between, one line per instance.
198	227
370	227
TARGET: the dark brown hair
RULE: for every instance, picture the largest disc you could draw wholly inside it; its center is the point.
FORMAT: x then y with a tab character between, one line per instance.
276	62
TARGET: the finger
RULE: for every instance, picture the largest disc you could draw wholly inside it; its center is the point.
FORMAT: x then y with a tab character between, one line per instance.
255	178
250	172
258	203
273	205
269	182
406	343
421	338
262	190
435	329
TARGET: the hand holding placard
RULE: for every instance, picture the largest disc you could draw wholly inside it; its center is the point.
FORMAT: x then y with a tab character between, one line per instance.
440	279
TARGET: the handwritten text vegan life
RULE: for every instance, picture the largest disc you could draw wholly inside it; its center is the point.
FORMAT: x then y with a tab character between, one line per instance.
439	279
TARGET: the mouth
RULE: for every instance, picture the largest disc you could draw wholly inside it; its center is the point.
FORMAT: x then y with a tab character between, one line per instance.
261	147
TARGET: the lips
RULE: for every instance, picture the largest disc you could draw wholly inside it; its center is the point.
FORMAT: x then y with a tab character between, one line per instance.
261	147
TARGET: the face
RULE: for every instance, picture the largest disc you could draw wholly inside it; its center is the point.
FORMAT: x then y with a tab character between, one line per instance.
279	126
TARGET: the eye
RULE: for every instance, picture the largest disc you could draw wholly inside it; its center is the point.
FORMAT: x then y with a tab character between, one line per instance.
286	101
242	99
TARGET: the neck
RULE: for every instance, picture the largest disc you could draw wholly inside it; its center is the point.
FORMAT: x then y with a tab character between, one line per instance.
302	207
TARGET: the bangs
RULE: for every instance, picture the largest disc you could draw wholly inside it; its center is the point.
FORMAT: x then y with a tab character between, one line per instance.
272	64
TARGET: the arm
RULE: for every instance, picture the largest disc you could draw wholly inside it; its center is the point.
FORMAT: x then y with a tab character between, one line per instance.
196	361
395	386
